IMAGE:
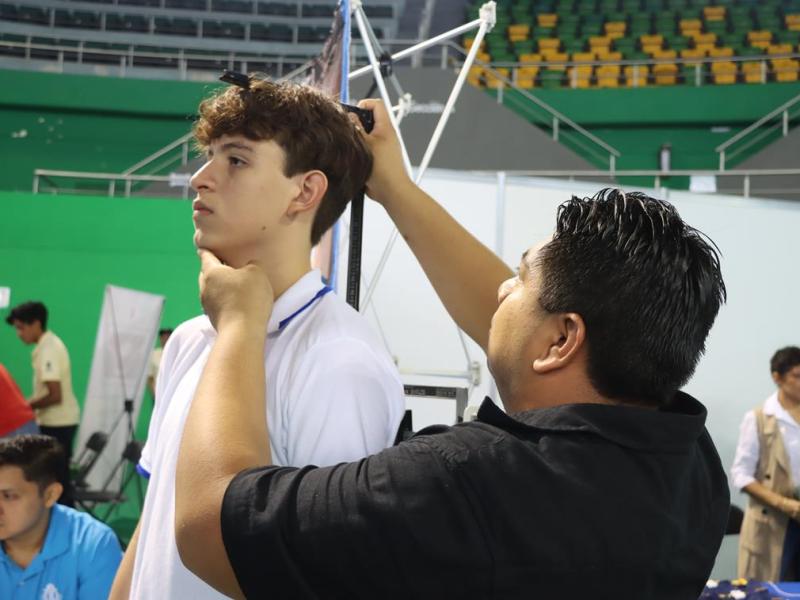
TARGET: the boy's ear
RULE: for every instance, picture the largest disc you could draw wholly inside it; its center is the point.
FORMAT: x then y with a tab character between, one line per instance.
313	185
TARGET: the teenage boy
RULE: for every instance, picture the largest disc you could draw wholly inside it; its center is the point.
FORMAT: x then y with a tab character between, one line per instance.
48	551
283	161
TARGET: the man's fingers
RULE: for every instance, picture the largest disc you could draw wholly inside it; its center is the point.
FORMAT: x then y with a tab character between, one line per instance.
208	260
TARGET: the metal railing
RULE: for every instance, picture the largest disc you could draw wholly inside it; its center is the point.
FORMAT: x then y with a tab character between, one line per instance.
779	118
658	176
43	182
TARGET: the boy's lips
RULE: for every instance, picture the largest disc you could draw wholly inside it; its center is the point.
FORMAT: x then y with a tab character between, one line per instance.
199	207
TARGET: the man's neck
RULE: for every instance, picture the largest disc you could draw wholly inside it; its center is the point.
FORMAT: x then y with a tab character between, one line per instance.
24	548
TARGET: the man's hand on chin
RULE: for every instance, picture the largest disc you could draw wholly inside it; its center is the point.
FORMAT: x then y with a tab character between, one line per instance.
234	297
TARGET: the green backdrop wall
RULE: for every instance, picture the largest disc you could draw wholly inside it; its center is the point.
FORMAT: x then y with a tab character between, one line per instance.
64	250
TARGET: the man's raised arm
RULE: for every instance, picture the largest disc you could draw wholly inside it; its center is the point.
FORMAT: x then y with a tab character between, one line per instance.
464	272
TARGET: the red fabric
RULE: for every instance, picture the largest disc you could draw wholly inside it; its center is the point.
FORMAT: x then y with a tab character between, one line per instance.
14	410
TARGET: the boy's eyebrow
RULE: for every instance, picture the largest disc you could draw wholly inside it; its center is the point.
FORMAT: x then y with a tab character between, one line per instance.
236	146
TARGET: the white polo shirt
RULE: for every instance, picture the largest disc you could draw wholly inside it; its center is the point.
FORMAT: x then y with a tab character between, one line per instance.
51	363
333	395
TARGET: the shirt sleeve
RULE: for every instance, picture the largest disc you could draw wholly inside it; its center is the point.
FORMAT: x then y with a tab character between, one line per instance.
747	453
343	404
168	357
100	568
383	527
48	363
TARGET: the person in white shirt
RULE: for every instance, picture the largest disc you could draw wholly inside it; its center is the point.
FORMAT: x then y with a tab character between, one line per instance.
53	399
154	364
283	161
767	468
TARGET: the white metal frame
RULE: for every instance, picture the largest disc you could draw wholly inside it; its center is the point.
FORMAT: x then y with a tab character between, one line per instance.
483	24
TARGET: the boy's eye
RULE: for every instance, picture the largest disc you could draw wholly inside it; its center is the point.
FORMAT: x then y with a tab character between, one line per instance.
236	162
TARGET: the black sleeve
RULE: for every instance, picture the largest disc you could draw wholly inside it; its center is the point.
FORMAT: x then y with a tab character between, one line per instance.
396	524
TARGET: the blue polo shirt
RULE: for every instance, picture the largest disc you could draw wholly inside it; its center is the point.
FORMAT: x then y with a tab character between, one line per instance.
78	561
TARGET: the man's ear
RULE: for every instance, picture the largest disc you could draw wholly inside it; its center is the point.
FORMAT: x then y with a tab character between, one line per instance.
52	493
776	377
313	185
567	339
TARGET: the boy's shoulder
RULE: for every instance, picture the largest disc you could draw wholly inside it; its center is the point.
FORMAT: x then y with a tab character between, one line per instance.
80	527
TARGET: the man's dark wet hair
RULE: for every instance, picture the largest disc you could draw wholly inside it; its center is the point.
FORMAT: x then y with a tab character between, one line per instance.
784	360
28	312
647	285
40	457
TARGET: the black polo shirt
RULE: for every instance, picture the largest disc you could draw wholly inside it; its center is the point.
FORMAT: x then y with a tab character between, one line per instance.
575	501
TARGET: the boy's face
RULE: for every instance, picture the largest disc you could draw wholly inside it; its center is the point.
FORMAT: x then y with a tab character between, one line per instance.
242	198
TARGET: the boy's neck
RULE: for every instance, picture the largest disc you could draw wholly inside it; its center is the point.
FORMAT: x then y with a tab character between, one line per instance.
284	268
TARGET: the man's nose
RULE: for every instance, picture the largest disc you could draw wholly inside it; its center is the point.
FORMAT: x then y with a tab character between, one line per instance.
203	178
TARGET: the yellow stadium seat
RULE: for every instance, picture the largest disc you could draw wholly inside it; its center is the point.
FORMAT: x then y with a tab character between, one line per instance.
547	19
691	25
693	53
603	54
724	72
780	49
556	58
647	40
483	57
665	73
526	84
714	13
791	19
527	72
616	27
530	58
705	38
754	72
723	52
759	36
651	48
636	75
580	77
764	44
785	69
608	76
599	41
549	44
671	54
706	47
519	29
492	81
583	56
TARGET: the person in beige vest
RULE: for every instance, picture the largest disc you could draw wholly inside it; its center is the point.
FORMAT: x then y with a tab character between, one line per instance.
767	469
53	399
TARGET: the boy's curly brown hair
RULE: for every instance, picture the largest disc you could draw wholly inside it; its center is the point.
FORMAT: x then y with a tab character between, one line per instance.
310	127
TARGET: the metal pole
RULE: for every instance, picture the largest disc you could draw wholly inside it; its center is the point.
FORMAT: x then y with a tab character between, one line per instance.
555	129
785	123
462	77
376	71
421	46
747	186
722	160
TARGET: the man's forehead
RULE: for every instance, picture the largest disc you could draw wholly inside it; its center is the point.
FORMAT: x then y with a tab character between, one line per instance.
238	141
11	476
530	255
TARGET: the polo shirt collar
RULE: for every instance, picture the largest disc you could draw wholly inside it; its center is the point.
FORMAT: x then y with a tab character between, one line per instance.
56	542
671	429
773	407
293	299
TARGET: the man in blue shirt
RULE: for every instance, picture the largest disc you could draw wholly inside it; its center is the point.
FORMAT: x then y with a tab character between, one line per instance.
49	551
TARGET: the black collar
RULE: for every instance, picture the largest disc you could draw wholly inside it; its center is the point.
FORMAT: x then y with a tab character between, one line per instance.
666	430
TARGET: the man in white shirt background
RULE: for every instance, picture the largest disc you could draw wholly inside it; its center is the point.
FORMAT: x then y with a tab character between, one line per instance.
283	161
53	399
767	469
154	364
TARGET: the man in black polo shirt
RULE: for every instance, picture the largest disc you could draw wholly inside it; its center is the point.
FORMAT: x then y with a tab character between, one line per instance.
599	480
